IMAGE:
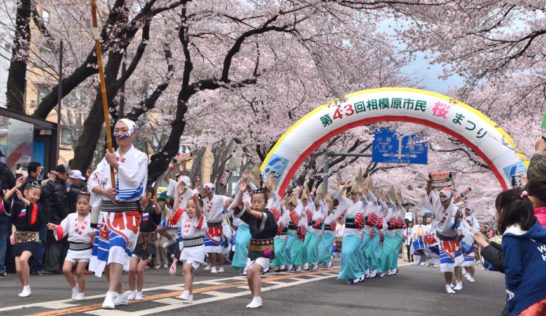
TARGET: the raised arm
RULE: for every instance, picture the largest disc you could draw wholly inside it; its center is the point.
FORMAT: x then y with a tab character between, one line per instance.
343	201
167	175
198	210
429	186
18	184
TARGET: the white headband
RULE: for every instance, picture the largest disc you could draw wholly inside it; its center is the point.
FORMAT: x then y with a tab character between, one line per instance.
131	125
447	192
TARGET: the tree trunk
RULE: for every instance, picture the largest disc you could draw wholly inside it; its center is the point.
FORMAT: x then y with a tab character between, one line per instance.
83	151
15	94
160	160
197	158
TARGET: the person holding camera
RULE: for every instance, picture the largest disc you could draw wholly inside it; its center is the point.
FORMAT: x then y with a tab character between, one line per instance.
7	181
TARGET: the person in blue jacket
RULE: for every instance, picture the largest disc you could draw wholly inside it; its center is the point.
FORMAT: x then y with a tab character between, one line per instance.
524	250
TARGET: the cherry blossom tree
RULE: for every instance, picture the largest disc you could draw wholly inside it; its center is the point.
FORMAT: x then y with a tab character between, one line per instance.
240	73
497	47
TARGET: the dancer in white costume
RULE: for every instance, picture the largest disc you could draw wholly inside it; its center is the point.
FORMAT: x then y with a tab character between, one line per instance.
193	226
469	226
446	223
120	207
354	213
418	245
328	234
78	228
213	209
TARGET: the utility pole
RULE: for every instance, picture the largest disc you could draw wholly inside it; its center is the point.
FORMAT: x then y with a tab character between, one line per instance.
122	95
326	167
59	103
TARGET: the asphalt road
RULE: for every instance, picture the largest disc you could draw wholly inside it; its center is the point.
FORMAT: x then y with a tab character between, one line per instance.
414	291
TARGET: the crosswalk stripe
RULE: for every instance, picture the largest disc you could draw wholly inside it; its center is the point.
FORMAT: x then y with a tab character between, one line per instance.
218	296
239	281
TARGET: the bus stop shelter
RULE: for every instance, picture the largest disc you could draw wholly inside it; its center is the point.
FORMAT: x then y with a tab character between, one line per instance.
24	138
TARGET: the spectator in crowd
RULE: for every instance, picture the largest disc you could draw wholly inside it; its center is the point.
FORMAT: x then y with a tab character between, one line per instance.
490	250
5	225
537	164
34	171
161	259
76	183
523	242
56	194
408	239
6	176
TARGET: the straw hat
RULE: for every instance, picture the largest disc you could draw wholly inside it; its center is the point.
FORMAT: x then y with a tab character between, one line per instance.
292	201
305	193
329	199
256	176
271	183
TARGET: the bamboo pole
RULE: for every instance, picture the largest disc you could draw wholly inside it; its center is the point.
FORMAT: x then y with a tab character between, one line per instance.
105	110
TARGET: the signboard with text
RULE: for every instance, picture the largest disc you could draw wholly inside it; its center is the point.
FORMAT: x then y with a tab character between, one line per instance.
388	147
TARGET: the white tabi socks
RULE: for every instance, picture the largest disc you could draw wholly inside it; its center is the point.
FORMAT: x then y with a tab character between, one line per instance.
255	303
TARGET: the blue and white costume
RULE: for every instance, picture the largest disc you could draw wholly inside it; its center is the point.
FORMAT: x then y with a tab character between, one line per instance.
213	209
119	223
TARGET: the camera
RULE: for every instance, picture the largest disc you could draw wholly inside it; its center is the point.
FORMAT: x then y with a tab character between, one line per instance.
515	181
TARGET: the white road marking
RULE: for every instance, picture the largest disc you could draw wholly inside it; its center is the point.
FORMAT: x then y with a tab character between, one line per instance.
109	312
213	283
168	301
71	303
218	297
67	303
300	279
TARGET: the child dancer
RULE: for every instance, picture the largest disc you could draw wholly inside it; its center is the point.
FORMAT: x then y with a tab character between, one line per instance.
145	248
263	229
193	226
469	225
242	239
27	216
77	227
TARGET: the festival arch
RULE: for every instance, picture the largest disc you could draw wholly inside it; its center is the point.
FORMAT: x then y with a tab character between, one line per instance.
422	107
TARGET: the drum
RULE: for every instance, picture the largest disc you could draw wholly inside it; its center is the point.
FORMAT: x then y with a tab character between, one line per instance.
430	240
418	245
338	243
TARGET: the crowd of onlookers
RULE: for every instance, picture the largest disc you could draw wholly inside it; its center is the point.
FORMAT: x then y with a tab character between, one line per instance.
58	198
59	194
521	220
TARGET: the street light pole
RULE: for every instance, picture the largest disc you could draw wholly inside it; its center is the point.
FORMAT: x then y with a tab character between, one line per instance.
326	166
325	171
122	95
59	98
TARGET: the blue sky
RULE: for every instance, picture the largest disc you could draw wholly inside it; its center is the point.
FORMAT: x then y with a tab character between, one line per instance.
427	74
420	69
